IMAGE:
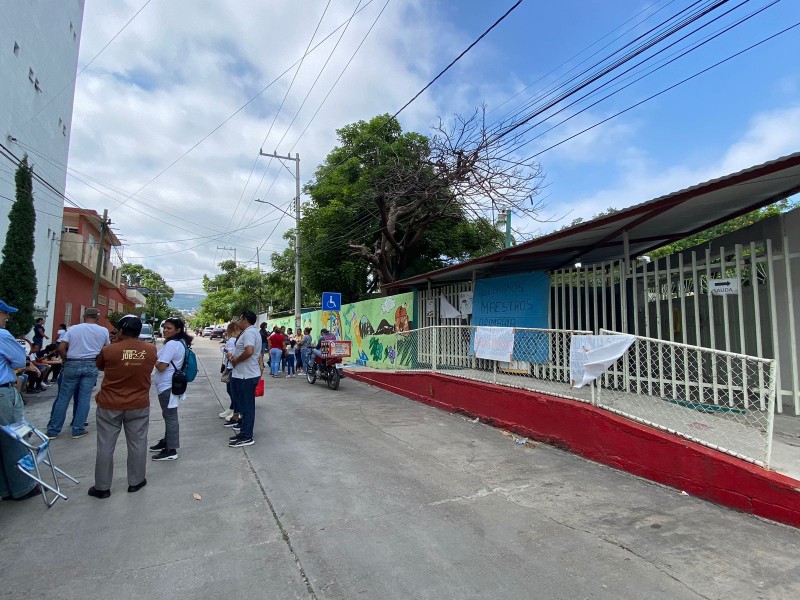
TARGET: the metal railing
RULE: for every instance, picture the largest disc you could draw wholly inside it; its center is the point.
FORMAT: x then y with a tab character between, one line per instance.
719	399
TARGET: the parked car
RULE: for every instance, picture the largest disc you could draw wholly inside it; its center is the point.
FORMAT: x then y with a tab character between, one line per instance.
147	334
207	331
217	332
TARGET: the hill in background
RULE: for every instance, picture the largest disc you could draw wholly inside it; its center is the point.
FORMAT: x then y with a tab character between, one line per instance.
187	301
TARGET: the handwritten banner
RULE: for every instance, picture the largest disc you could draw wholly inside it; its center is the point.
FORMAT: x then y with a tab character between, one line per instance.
494	343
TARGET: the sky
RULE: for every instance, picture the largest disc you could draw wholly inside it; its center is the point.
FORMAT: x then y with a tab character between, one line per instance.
145	108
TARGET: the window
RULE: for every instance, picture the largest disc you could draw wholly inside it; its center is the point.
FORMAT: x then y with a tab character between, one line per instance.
92	241
64	130
101	300
71	230
111	304
68	314
16	49
36	85
83	308
30	75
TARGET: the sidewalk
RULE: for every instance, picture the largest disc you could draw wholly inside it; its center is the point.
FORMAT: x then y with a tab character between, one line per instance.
360	493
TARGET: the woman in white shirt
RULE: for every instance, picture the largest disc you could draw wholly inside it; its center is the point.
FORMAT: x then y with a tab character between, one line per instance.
170	357
232	332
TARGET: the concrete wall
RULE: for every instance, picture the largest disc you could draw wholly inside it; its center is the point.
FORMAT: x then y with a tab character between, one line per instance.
39	40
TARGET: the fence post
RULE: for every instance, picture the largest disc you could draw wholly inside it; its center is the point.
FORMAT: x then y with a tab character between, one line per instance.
494	372
770	413
594	393
435	348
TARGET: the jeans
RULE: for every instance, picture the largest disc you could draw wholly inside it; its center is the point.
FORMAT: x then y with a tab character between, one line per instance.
275	361
80	376
229	389
290	363
171	427
12	481
244	392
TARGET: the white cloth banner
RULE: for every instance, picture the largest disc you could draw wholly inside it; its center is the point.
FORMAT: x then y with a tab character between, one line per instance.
447	310
591	355
495	343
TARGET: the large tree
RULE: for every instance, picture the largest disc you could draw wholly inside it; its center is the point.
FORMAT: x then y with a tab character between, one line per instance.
387	204
17	273
152	286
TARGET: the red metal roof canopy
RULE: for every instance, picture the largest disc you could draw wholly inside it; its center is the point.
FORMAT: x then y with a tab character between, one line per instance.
649	225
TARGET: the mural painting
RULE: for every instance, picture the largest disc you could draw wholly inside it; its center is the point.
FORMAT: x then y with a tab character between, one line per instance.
370	325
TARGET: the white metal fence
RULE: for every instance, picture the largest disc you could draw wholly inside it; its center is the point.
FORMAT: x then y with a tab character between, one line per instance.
719	399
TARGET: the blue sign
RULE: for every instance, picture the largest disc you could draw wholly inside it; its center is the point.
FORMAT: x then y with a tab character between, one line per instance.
516	301
331	301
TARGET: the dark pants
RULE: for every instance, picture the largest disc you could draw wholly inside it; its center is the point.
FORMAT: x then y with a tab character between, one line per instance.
229	389
55	370
244	393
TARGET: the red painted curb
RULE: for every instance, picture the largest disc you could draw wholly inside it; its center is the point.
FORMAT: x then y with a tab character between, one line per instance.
606	438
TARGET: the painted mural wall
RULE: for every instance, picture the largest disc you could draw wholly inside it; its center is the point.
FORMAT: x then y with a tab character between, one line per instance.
370	325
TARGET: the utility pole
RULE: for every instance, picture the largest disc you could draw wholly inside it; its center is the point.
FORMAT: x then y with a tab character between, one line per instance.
234	260
296	159
504	220
258	266
100	252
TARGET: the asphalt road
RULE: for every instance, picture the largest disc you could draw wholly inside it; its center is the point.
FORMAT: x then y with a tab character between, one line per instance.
360	493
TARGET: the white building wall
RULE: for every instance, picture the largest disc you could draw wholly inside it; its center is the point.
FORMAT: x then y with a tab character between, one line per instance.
39	42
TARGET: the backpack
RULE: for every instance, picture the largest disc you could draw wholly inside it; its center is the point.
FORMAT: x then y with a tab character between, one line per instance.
186	374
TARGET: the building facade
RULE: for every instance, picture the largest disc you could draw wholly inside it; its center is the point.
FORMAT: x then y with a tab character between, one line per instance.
39	42
77	264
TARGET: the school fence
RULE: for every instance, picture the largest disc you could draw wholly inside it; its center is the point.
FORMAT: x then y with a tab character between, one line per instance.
719	399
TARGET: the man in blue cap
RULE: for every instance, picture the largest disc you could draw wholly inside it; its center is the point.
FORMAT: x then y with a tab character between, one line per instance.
13	484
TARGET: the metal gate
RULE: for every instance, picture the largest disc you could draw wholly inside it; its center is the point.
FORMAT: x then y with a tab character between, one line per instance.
673	299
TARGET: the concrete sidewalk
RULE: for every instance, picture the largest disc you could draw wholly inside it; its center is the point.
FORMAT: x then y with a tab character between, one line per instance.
360	493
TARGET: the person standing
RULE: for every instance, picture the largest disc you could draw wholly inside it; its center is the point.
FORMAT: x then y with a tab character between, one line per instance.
62	329
123	401
306	344
264	333
244	378
231	415
79	348
277	342
170	359
39	335
13	484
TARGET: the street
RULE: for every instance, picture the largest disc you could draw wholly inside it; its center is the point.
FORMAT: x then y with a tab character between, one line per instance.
360	493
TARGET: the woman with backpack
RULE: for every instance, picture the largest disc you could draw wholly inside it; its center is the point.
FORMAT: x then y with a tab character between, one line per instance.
170	358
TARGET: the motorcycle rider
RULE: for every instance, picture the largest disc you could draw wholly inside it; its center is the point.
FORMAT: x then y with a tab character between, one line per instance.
324	336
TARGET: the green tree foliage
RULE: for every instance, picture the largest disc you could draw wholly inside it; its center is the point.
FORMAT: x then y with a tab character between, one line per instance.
230	293
17	273
386	205
725	228
152	286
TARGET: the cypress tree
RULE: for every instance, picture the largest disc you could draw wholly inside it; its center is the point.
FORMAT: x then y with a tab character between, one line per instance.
17	273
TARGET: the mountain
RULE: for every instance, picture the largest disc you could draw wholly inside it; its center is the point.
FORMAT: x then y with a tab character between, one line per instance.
187	301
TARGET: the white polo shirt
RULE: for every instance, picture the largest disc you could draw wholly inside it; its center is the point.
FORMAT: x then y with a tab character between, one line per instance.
85	340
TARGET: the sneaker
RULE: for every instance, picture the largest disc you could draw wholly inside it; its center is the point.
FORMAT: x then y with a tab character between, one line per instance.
226	413
233	438
241	442
51	437
43	386
161	445
236	423
166	455
82	434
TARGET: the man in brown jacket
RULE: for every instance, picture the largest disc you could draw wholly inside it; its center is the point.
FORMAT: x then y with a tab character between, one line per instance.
123	400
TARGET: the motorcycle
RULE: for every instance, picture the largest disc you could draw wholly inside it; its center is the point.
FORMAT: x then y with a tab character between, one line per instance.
327	369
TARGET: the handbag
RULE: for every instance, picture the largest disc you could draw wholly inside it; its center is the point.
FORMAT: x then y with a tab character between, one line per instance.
226	376
260	388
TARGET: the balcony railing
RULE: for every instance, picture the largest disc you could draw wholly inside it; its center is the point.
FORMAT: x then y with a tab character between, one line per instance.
76	252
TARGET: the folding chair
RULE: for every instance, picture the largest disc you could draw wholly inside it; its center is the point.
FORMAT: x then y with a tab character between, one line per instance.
29	464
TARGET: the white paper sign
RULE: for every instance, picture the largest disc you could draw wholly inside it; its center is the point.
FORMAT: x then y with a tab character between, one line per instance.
447	310
591	355
430	308
465	303
495	343
724	287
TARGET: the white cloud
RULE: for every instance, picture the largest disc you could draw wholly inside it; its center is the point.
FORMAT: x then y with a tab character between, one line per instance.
768	135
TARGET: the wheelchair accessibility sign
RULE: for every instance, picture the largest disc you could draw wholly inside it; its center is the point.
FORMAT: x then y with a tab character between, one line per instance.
331	301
